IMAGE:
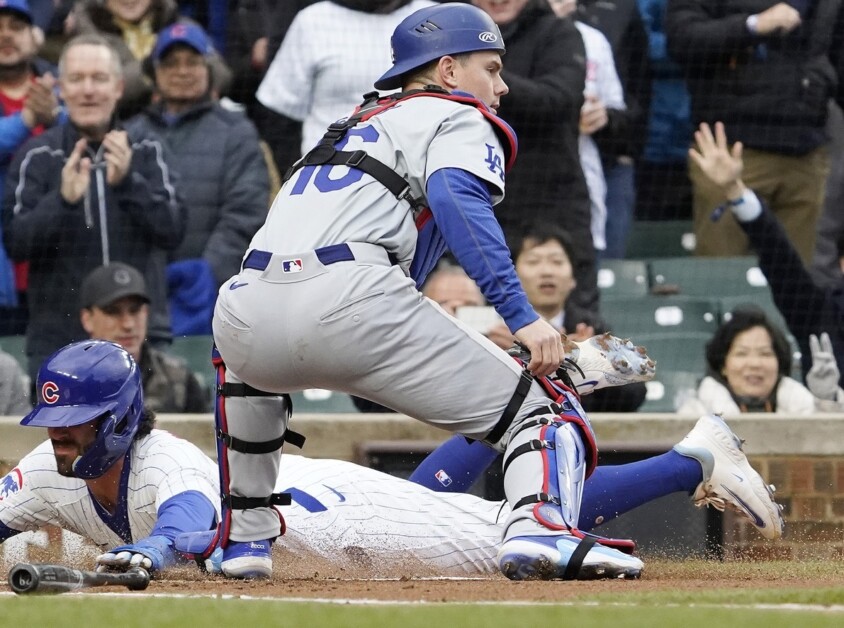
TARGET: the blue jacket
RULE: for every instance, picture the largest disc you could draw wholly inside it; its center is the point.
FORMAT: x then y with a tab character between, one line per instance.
223	181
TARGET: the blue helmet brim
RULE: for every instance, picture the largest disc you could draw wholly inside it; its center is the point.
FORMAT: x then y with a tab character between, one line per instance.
65	416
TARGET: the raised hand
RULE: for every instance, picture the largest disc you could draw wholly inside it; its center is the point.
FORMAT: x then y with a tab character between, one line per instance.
76	174
118	156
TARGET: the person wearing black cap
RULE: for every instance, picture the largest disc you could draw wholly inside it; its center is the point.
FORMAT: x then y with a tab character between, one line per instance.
115	307
223	177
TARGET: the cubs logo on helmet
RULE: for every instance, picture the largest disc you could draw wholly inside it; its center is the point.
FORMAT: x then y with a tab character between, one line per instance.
50	392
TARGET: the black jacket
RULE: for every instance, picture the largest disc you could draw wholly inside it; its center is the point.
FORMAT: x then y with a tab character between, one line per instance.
771	92
134	222
806	307
545	69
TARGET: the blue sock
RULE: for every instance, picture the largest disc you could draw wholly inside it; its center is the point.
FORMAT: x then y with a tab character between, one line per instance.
454	466
614	490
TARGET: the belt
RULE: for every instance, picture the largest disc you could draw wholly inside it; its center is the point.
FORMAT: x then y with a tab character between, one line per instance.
259	260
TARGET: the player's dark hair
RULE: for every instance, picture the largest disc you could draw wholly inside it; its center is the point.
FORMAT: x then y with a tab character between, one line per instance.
742	319
146	424
535	235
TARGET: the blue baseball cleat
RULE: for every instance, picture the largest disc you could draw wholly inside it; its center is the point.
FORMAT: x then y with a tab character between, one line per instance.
564	557
248	560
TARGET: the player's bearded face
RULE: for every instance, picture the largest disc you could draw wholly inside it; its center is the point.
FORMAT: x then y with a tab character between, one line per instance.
71	442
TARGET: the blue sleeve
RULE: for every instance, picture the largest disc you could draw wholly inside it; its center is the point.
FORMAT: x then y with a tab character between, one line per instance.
190	511
454	466
7	532
462	208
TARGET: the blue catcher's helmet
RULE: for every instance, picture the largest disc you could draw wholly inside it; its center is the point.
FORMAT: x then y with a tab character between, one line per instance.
436	31
88	380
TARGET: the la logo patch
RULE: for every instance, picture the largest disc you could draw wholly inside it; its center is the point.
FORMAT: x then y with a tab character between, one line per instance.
50	392
291	266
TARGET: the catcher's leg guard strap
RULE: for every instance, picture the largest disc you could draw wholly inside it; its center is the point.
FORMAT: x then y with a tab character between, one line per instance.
511	410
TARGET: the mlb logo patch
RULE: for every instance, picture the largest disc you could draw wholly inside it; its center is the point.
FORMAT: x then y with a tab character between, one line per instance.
443	477
291	266
12	483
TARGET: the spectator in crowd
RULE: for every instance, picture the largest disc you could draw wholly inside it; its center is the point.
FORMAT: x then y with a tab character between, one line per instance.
331	55
545	69
768	75
223	178
452	288
748	360
27	106
620	141
86	193
115	307
543	259
604	100
807	307
131	29
663	190
14	388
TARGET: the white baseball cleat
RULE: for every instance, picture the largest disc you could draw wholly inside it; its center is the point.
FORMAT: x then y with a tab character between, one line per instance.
728	478
558	558
606	360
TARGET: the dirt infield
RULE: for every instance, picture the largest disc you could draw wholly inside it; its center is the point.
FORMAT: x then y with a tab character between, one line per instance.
304	579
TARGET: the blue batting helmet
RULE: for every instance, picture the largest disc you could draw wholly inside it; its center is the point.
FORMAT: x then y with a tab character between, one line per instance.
89	380
436	31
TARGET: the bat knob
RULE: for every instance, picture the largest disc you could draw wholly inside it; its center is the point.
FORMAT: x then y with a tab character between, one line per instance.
23	578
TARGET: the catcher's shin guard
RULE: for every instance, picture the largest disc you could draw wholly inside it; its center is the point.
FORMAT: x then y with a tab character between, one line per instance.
553	450
251	427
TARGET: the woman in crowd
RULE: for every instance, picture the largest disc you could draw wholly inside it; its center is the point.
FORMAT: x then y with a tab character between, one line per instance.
748	361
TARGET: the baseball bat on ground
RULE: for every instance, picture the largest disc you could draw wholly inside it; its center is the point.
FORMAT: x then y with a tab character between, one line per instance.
41	578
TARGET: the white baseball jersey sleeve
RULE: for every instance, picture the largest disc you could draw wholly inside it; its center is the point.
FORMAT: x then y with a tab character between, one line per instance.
330	56
601	81
160	466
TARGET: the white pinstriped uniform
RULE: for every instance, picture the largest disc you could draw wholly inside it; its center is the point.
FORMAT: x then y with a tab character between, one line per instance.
391	519
337	505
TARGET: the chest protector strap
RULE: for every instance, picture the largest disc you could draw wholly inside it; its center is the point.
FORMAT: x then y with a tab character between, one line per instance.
324	153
